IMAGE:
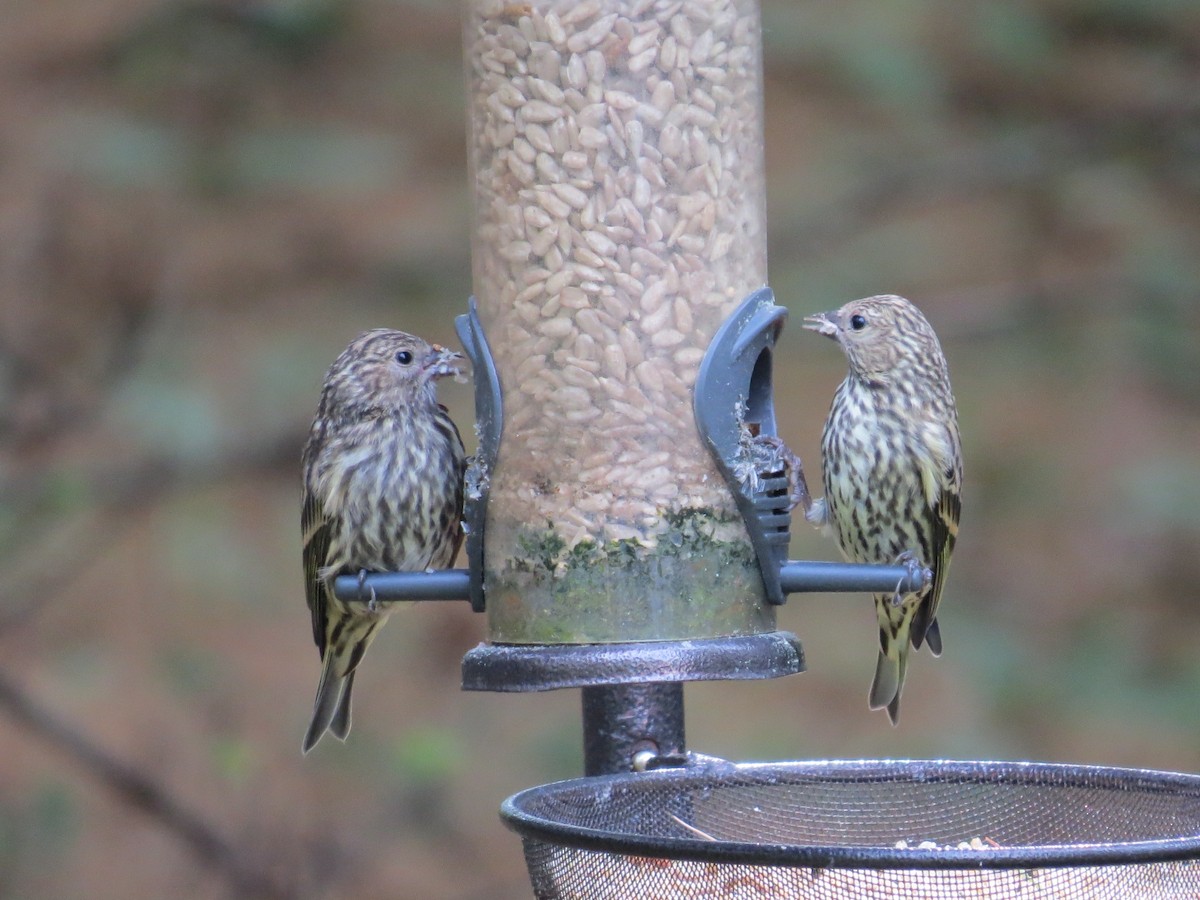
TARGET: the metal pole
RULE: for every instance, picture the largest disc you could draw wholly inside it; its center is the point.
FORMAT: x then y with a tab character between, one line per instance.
620	721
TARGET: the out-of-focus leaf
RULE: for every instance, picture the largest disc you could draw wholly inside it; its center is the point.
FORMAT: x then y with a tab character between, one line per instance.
169	415
428	754
180	42
1014	36
235	759
120	151
1162	494
317	160
876	48
204	550
190	671
53	818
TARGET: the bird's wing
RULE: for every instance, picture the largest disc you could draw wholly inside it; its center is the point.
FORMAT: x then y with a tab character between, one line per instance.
945	515
940	477
316	530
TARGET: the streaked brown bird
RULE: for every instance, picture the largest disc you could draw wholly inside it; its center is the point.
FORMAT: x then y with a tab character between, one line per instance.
383	491
893	469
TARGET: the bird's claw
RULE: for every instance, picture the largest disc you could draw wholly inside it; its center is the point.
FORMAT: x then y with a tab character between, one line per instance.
770	456
366	592
798	494
914	571
816	513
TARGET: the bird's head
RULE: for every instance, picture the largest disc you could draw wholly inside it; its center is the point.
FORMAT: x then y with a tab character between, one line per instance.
391	368
879	335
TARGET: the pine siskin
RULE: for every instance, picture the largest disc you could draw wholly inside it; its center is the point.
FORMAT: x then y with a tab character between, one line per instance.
893	468
383	491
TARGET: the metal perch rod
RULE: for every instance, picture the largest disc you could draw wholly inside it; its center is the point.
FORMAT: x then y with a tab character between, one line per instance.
797	577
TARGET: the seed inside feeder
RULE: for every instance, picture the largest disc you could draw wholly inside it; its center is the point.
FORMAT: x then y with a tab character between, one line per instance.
616	156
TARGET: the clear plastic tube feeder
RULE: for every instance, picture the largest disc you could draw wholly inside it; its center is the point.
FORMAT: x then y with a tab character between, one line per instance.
616	160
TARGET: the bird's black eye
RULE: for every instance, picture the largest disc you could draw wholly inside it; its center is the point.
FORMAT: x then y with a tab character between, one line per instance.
404	357
858	322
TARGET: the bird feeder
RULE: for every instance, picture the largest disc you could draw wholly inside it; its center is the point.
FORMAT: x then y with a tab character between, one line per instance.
617	161
628	507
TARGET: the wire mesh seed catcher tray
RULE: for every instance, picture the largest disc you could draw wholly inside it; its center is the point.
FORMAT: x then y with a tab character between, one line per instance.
860	829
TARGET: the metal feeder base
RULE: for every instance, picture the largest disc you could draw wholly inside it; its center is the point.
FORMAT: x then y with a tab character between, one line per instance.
546	667
859	829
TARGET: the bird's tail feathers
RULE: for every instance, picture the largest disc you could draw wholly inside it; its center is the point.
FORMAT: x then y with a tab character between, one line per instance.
340	726
933	637
343	652
885	688
892	665
331	709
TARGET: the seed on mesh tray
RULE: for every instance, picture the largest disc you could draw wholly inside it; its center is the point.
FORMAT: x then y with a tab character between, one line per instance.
975	843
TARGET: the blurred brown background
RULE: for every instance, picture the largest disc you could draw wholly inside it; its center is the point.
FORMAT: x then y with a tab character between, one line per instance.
201	202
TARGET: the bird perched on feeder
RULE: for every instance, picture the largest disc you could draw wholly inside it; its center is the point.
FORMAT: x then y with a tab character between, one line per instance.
383	491
893	469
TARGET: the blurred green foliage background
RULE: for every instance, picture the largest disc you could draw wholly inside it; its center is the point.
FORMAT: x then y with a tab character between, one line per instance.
202	201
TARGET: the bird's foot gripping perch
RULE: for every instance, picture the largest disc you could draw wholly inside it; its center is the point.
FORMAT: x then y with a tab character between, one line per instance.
366	591
917	573
764	457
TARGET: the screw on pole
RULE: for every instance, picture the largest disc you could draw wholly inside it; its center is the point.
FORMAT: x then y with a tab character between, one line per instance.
625	722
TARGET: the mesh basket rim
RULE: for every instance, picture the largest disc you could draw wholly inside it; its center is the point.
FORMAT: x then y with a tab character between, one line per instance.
517	814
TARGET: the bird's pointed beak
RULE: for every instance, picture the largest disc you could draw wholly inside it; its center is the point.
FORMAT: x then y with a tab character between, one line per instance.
821	323
443	361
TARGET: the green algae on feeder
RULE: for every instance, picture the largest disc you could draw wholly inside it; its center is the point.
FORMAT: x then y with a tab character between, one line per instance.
680	587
